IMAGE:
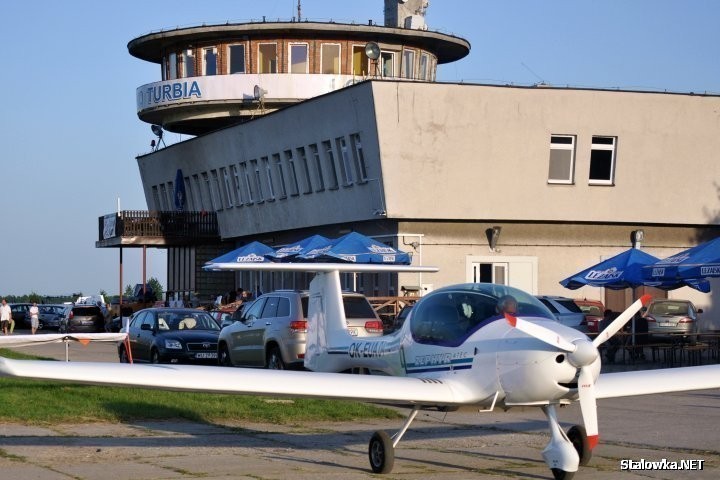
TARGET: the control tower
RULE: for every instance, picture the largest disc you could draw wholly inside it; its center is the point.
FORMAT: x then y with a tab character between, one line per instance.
212	76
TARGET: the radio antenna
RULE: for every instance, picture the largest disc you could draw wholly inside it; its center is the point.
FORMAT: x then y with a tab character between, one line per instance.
299	11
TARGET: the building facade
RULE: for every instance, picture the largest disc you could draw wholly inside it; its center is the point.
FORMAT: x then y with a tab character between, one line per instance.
319	128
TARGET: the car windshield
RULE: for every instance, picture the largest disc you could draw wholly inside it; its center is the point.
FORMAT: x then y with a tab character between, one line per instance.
569	304
669	308
186	321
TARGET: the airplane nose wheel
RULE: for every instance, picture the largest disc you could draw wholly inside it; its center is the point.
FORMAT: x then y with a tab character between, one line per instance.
381	452
577	435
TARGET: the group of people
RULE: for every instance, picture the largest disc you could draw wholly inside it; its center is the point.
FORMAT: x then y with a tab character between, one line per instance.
7	323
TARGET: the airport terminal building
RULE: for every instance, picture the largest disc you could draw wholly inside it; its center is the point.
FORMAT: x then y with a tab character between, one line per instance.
506	184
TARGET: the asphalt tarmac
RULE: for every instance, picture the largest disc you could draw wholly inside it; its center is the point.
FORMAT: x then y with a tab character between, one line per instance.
682	428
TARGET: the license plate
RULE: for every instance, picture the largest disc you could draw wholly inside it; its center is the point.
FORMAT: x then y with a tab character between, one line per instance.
667	324
353	331
206	355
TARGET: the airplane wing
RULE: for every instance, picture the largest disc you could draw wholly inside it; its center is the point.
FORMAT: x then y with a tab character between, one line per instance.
246	381
645	382
26	340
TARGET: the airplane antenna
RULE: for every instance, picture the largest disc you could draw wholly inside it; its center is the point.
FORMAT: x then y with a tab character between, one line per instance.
541	81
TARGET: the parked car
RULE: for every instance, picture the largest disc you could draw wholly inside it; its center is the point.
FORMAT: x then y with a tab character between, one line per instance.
271	331
51	317
566	311
171	335
18	314
83	318
594	312
667	318
401	316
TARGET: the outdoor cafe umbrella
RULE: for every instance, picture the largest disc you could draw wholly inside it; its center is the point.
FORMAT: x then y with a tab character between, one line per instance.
253	252
357	248
625	270
694	265
289	252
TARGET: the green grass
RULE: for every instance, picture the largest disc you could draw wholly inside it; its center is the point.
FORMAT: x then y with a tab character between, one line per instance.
42	402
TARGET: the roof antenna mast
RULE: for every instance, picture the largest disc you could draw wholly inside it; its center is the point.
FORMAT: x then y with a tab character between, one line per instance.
299	12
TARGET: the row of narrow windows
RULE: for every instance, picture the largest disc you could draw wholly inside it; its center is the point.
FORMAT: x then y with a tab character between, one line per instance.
317	167
232	59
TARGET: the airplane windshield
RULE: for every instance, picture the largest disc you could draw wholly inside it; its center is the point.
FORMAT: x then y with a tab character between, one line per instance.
449	316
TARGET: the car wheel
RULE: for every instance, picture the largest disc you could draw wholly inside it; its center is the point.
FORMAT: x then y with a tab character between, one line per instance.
274	359
224	357
154	356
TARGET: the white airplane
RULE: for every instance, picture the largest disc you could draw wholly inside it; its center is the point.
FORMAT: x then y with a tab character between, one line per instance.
457	348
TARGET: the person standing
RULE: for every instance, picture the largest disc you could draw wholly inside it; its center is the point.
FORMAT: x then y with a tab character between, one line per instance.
5	316
34	318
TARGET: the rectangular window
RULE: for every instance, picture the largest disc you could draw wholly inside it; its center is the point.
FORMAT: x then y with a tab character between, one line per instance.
268	173
210	61
562	159
305	170
319	181
215	191
227	192
199	192
209	191
258	180
236	62
248	183
360	61
345	161
387	60
359	158
602	161
163	198
408	67
424	66
172	66
330	58
267	58
191	205
281	174
330	162
299	58
188	63
237	183
292	173
156	197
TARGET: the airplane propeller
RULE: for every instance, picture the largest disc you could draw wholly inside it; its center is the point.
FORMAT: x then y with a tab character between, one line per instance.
581	353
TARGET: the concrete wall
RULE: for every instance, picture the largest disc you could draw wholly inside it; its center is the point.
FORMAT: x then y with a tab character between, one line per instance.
482	152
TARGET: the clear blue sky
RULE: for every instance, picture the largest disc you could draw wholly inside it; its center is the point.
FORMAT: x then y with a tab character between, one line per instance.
69	133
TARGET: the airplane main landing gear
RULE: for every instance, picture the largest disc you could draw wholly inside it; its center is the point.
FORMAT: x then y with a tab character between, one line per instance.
381	453
381	450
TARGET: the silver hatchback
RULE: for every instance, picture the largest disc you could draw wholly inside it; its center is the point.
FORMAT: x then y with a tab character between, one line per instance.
272	330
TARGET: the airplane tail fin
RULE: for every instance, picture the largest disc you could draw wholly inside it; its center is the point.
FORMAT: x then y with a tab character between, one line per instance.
327	333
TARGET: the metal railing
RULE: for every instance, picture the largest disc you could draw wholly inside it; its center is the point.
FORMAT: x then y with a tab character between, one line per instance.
150	223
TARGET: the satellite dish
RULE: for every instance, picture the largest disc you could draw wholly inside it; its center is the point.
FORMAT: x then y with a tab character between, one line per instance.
372	50
157	130
259	92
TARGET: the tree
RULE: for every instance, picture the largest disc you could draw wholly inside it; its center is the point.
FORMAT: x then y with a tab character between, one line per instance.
129	293
156	287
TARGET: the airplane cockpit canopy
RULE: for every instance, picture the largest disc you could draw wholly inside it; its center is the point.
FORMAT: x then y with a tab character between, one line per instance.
448	316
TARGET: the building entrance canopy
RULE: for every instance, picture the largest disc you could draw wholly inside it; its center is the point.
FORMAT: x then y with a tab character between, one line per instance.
625	270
